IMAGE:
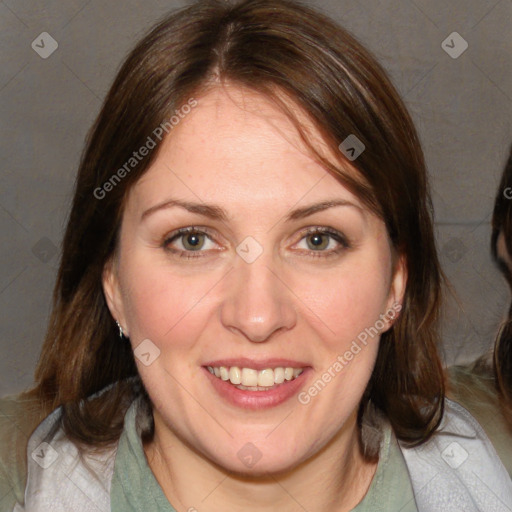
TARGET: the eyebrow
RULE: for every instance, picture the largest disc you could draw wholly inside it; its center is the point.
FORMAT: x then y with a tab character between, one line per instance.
217	213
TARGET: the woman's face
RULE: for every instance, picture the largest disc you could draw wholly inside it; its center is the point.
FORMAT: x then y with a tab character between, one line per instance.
278	273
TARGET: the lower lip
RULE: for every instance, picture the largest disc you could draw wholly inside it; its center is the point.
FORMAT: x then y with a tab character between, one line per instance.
257	399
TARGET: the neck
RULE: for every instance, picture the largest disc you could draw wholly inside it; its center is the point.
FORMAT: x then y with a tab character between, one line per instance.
335	479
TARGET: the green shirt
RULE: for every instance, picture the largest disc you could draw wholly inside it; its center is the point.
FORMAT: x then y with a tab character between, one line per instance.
135	489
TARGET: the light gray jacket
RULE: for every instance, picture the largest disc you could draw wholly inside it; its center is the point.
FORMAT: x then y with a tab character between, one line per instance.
457	470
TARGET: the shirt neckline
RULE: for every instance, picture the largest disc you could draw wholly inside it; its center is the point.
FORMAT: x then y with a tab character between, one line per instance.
135	488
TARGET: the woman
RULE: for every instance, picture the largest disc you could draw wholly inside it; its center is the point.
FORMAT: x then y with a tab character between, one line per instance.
485	387
245	311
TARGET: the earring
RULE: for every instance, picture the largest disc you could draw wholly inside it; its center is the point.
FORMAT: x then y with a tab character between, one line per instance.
121	333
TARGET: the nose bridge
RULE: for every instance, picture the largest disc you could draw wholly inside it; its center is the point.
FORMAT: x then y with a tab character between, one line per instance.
257	303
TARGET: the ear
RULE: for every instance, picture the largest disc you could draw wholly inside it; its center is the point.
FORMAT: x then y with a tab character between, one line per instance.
396	292
112	291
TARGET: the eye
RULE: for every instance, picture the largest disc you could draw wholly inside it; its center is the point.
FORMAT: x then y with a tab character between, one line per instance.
322	240
188	240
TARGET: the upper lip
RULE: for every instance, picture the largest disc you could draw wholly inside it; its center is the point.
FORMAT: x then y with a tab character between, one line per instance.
261	364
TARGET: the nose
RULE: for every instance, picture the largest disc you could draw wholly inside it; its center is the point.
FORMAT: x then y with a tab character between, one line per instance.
257	304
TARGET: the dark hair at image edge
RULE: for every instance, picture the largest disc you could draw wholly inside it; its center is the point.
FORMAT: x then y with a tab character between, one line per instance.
283	50
502	225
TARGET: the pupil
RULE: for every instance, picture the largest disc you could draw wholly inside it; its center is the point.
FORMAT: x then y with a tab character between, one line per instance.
193	240
317	239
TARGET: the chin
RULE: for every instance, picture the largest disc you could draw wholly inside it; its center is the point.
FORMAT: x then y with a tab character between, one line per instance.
261	468
252	460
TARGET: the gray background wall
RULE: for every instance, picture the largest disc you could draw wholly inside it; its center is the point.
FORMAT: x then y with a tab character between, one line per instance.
462	107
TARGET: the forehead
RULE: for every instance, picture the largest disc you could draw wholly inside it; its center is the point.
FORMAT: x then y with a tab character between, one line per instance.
233	112
237	145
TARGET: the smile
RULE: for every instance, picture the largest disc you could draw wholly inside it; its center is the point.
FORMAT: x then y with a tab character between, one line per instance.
255	380
257	385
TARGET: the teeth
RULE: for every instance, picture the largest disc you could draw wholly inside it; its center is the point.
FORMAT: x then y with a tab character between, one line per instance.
266	378
279	375
254	380
235	375
249	377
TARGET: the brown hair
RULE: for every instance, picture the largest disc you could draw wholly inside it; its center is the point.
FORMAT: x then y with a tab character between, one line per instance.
502	225
277	48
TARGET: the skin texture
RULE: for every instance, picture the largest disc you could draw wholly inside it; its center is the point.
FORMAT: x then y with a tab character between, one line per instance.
237	151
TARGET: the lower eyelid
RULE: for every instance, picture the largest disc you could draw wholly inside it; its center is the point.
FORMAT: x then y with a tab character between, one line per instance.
325	253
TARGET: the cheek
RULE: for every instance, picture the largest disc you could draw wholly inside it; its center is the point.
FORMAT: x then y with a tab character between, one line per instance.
162	304
350	299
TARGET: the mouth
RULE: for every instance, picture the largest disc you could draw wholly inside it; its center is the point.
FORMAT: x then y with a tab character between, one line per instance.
256	385
250	379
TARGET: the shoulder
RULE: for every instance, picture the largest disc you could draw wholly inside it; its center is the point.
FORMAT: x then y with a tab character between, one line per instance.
458	464
19	417
64	474
473	388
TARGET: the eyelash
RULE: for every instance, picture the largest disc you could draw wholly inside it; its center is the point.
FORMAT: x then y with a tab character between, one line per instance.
336	235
